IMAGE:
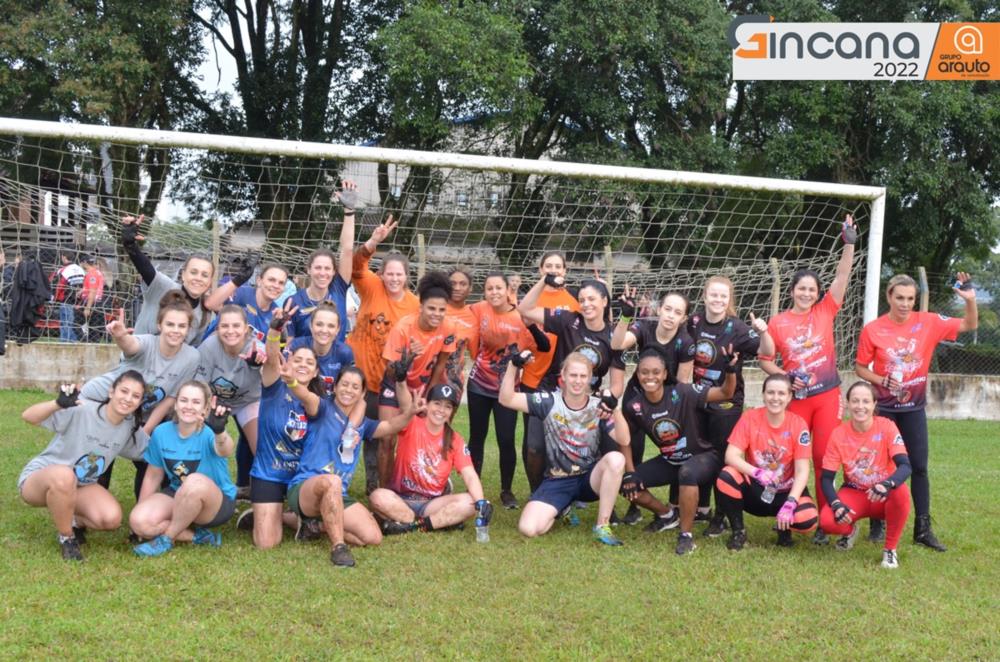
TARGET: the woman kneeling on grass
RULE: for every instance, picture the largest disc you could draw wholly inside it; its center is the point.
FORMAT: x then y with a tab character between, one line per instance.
876	466
767	468
192	452
89	435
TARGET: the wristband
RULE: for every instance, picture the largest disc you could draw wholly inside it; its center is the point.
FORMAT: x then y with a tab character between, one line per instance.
292	384
274	337
624	319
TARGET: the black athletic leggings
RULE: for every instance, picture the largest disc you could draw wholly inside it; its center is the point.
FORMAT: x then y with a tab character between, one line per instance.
913	426
504	423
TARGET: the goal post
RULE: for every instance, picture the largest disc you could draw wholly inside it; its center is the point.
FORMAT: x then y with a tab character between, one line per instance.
665	229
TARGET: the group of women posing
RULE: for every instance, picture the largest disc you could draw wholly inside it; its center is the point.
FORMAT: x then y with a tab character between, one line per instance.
304	398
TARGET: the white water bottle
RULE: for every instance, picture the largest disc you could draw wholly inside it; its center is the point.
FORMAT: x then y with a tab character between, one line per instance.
348	442
897	376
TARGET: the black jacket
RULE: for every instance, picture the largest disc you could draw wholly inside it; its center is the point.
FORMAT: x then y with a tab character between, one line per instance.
28	295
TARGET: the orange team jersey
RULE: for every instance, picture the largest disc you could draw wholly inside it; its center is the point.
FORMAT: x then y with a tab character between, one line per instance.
421	469
497	332
805	342
906	348
550	299
406	330
865	456
466	335
376	316
772	448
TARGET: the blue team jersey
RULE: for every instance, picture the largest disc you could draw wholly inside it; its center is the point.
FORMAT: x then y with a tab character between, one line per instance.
259	320
180	457
322	450
281	431
330	364
337	293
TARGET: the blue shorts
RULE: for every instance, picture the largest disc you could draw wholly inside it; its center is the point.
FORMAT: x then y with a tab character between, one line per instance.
417	504
561	492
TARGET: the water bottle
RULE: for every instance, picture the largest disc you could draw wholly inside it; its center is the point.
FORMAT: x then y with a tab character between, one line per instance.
804	378
348	442
482	530
897	375
767	496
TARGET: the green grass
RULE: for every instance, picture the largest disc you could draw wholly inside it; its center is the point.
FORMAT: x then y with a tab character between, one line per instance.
432	596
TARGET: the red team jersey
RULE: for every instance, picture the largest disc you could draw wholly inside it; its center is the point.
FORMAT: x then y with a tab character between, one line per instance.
805	342
906	348
441	339
865	456
496	333
772	448
421	469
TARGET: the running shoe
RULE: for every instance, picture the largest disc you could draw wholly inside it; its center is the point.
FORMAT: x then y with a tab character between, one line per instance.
569	517
737	540
602	533
508	500
615	520
341	556
245	521
847	542
633	515
70	549
876	530
785	539
820	537
80	533
702	515
310	528
685	544
717	526
890	559
158	546
663	522
203	536
391	527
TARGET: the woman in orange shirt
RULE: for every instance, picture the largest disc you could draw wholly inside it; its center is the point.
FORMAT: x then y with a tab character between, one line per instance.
465	322
385	299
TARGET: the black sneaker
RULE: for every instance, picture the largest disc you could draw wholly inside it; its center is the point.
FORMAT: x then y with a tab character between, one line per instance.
633	515
737	539
615	520
133	538
685	544
820	537
785	539
717	526
80	533
876	530
846	543
71	549
245	521
663	522
702	515
310	528
508	500
923	535
341	556
391	527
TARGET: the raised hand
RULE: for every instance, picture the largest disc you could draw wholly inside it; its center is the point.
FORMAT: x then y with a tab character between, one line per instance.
255	356
627	302
285	370
217	416
243	267
130	230
608	404
758	324
523	358
963	286
732	356
68	395
348	195
383	230
554	281
282	316
116	328
849	231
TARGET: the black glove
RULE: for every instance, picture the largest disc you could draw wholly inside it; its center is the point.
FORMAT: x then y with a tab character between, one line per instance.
627	306
554	281
130	235
484	512
849	234
521	359
242	269
254	358
278	323
67	396
399	368
631	485
608	400
840	511
967	285
217	421
882	489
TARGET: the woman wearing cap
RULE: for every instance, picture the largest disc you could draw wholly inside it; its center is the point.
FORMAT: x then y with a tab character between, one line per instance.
894	354
803	336
427	451
588	333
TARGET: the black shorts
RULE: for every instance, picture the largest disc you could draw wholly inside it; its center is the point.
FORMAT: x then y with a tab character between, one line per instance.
697	470
387	394
223	515
267	491
561	492
371	405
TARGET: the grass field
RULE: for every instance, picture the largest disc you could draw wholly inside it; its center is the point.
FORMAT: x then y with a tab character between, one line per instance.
442	595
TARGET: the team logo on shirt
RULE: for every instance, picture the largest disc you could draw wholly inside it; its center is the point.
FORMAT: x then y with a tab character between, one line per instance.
181	469
898	440
223	389
296	426
864	469
152	397
804	438
705	352
667	431
89	468
943	318
589	353
770	457
326	383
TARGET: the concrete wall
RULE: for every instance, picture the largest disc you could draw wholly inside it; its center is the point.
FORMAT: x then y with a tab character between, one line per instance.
45	365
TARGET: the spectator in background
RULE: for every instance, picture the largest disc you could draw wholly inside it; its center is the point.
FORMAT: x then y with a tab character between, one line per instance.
91	296
68	280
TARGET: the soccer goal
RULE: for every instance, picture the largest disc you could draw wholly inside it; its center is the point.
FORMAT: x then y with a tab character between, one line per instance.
67	185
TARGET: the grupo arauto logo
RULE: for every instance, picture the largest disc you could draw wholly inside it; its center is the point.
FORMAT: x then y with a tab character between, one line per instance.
767	50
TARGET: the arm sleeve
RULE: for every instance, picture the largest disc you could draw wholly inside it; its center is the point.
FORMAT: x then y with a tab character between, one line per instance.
142	263
541	340
903	469
555	320
826	483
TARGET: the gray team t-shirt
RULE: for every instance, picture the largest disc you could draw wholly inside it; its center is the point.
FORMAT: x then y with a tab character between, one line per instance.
86	441
151	295
573	437
231	379
163	376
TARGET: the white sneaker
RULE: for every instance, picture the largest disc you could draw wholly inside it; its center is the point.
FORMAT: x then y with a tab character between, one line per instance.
847	542
890	559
